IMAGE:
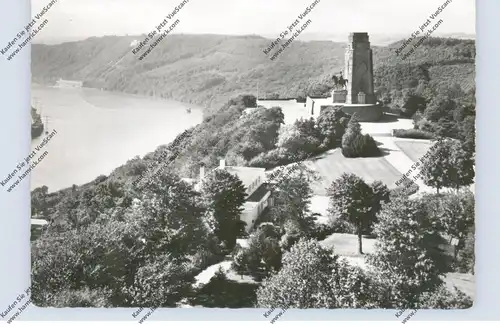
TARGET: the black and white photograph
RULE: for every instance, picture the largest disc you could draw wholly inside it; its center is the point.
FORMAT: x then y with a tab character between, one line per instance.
239	154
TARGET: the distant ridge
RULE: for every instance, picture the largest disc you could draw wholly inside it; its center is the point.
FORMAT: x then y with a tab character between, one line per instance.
210	69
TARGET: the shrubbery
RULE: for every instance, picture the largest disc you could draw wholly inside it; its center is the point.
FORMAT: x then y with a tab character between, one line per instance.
408	188
341	226
273	158
263	255
322	231
80	298
307	137
442	298
413	134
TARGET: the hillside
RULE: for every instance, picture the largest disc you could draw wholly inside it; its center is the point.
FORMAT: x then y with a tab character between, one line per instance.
210	69
202	69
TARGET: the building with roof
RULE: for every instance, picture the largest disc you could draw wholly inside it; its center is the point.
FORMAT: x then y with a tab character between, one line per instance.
258	196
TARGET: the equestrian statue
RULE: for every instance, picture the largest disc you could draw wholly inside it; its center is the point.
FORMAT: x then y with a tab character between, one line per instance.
340	82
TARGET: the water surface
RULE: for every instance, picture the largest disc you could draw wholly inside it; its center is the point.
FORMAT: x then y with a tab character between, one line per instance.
98	131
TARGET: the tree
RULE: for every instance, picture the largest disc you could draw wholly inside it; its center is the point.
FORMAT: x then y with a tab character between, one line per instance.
98	256
447	165
292	198
170	217
221	292
81	298
462	162
355	144
301	282
352	199
406	255
302	138
468	133
440	107
224	195
412	103
332	123
437	165
313	277
381	194
263	255
457	216
162	282
39	201
466	256
352	132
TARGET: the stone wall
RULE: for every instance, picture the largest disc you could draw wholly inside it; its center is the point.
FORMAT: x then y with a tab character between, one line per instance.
367	113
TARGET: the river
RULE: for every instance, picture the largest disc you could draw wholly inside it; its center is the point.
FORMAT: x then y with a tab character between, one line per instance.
98	131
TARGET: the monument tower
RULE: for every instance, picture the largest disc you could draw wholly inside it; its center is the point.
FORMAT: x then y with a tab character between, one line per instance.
359	70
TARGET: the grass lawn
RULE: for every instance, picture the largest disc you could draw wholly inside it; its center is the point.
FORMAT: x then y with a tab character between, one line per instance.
346	245
414	149
331	166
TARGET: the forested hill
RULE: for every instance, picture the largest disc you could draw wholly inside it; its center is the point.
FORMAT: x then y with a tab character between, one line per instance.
203	69
210	69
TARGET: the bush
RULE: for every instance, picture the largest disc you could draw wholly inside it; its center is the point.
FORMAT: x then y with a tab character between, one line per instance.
413	134
408	188
81	298
361	146
322	231
263	255
273	158
426	125
341	226
442	298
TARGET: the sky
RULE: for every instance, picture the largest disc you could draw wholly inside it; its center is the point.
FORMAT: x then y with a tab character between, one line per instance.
85	18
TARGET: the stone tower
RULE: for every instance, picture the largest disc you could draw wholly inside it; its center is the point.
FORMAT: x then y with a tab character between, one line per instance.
359	70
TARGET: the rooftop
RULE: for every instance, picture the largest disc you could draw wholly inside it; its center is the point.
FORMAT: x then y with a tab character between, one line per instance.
258	193
38	222
246	174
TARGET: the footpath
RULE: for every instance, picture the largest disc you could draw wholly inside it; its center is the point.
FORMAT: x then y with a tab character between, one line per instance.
399	160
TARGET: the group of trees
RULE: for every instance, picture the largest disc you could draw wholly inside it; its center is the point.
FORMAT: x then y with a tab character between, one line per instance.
448	164
113	245
262	257
440	110
314	277
407	268
435	87
305	138
450	113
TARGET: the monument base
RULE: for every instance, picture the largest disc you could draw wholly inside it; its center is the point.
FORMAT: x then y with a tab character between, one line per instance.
365	112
